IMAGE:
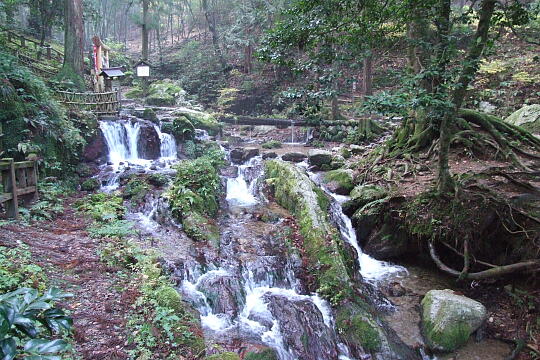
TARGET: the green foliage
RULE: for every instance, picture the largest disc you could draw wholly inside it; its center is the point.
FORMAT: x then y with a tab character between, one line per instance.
267	354
91	184
134	93
182	128
272	144
102	207
195	188
201	120
111	229
28	321
359	329
165	93
135	189
17	269
209	150
224	356
227	97
49	204
157	179
32	122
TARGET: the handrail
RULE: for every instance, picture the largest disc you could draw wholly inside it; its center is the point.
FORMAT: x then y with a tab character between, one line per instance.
19	180
99	103
48	50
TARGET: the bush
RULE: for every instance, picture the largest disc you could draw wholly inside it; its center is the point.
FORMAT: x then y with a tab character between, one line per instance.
28	321
91	184
272	144
165	93
18	270
102	207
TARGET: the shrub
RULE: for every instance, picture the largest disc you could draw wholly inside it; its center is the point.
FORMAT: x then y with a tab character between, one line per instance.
28	321
182	128
91	184
272	144
18	270
102	207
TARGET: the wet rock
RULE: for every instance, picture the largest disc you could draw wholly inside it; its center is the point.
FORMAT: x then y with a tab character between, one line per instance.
318	158
394	289
362	195
96	148
448	319
241	155
86	170
149	144
528	117
269	155
303	328
356	149
339	181
294	157
229	171
223	293
384	244
150	115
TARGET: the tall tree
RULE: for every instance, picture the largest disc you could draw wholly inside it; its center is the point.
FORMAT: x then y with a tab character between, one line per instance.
73	67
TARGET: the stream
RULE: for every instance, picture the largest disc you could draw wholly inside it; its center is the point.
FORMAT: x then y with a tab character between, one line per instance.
248	289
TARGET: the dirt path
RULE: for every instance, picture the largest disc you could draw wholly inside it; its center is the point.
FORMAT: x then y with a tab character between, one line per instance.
69	257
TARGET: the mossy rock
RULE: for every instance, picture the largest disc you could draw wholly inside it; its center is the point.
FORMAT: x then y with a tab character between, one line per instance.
183	129
339	181
201	120
359	329
158	180
224	356
91	184
166	296
136	189
448	319
165	93
267	354
362	195
150	115
273	144
528	117
200	228
167	127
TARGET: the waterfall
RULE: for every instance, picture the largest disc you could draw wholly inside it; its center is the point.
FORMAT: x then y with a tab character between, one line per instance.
239	191
168	144
121	138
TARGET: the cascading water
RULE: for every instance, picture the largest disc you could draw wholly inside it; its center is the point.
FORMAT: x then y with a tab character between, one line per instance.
239	192
121	138
168	144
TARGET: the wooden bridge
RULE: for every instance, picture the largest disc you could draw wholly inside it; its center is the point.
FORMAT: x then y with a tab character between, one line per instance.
106	103
19	181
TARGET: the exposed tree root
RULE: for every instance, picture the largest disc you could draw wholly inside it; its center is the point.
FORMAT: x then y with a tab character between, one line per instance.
495	272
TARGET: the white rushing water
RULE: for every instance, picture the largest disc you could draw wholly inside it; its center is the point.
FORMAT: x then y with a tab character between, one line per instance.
121	138
240	191
168	144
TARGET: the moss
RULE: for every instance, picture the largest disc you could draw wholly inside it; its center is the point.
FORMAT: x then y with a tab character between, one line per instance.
167	296
201	120
150	114
273	144
359	329
224	356
183	129
157	179
136	189
200	228
342	177
267	354
92	184
164	93
454	336
294	191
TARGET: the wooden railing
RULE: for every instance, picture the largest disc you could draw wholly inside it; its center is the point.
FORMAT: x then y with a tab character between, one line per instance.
106	103
46	50
19	181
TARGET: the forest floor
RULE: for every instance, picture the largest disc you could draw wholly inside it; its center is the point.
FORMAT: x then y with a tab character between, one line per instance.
70	258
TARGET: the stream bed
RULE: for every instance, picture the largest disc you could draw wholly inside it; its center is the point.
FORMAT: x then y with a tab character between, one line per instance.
249	289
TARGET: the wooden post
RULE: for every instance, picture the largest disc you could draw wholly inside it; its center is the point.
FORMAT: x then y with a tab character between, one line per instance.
9	36
10	186
23	42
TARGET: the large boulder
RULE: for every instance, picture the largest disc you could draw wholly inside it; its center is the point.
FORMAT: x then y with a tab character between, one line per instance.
294	157
96	148
303	328
241	155
528	117
339	181
149	144
317	158
448	319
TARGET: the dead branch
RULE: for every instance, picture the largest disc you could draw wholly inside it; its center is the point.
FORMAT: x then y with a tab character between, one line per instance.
486	274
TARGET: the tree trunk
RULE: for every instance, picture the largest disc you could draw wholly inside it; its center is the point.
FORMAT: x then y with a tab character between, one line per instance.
468	72
145	44
213	31
74	42
367	84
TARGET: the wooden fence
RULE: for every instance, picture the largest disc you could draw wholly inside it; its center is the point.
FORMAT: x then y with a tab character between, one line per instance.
19	181
46	50
107	103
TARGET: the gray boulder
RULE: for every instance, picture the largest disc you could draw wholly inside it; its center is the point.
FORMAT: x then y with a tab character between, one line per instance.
269	155
318	158
528	117
294	157
448	319
241	155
